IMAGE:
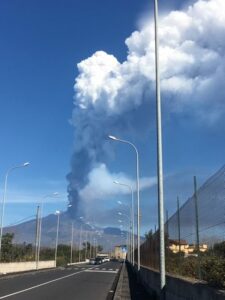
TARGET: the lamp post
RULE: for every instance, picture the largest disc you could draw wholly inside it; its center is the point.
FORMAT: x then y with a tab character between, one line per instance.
132	213
138	193
80	242
57	236
85	246
4	198
128	233
55	194
92	238
129	224
37	235
159	156
90	250
71	246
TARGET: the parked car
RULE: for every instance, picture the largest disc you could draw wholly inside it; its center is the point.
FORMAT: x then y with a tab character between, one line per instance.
92	261
106	259
98	261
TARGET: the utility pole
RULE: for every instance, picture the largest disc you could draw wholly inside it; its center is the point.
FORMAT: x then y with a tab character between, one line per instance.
37	235
178	223
71	246
86	246
90	244
80	243
178	220
167	223
197	225
57	237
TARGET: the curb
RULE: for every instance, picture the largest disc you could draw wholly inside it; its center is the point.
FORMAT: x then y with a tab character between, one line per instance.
119	288
113	290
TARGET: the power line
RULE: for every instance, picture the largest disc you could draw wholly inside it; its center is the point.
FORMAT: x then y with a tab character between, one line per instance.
20	221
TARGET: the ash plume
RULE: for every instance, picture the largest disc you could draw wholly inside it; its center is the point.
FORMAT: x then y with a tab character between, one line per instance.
110	95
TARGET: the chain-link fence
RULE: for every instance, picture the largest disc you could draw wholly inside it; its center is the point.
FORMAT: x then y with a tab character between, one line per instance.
194	235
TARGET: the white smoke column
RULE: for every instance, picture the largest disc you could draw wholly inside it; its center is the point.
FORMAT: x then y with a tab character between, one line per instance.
101	187
108	94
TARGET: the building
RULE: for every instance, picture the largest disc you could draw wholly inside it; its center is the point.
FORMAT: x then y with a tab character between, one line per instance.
184	247
120	252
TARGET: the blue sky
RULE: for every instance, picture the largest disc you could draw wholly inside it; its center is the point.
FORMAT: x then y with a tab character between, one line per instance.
42	43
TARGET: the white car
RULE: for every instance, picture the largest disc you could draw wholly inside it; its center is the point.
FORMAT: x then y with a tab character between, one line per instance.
92	261
106	259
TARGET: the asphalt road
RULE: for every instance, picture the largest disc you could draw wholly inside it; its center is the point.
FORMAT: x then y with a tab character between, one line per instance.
83	282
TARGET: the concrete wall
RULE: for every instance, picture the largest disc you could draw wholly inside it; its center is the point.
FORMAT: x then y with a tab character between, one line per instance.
178	288
15	267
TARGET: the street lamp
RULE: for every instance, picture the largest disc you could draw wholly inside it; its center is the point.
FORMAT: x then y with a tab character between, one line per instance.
93	247
86	241
71	246
57	236
131	249
132	212
80	243
159	156
128	242
138	193
55	194
4	198
80	239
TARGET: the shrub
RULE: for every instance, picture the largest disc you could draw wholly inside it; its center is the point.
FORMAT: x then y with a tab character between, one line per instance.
61	261
189	267
213	271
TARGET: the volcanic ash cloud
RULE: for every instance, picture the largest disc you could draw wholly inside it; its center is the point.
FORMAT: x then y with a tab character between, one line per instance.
110	94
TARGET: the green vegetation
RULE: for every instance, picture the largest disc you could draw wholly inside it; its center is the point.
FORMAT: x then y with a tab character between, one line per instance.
210	263
10	252
26	252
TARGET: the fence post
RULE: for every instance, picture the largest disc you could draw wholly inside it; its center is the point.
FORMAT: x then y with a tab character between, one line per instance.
197	226
178	223
37	233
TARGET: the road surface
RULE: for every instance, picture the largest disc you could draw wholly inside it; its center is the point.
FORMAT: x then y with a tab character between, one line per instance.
79	282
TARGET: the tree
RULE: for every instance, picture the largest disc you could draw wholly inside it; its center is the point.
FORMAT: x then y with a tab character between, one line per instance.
7	247
219	249
149	235
88	245
99	248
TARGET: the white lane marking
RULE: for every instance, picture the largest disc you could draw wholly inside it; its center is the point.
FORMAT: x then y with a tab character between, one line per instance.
104	269
99	271
110	269
36	286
